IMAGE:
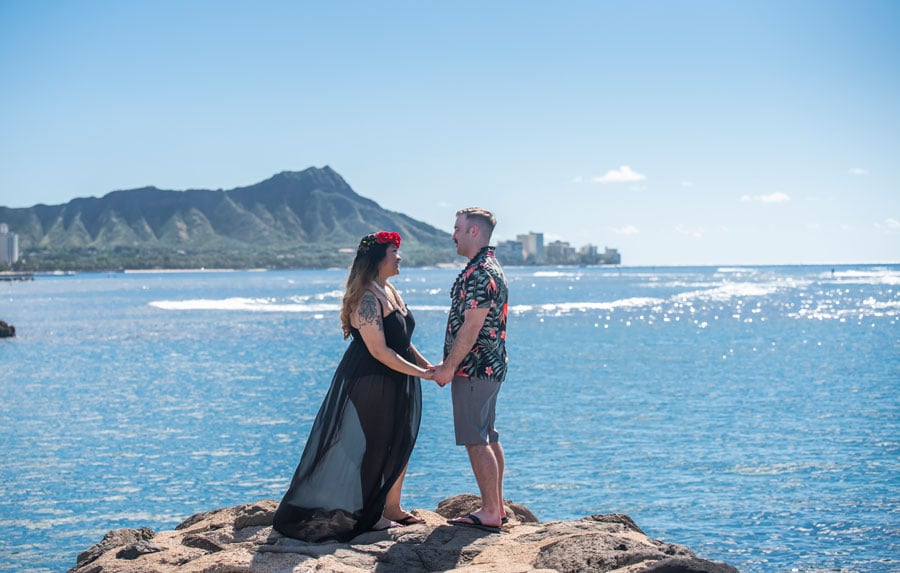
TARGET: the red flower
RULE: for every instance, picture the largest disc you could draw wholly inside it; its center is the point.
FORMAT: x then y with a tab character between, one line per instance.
383	237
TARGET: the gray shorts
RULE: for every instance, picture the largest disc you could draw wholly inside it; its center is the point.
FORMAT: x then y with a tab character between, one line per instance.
474	410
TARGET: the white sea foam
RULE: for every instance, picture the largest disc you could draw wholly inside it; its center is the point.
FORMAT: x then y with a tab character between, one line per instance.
873	276
718	293
297	304
553	274
735	270
244	304
626	303
730	290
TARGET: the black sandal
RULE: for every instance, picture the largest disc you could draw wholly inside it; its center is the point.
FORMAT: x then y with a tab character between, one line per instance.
476	523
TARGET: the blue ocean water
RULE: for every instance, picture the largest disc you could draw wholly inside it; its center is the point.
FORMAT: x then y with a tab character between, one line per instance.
750	413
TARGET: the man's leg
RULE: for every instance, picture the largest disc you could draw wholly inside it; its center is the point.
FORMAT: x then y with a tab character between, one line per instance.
497	449
474	429
487	474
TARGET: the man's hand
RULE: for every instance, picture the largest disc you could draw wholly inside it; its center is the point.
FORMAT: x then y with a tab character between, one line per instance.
443	374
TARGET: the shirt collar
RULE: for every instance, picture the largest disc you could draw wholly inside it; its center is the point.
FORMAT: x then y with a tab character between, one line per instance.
483	252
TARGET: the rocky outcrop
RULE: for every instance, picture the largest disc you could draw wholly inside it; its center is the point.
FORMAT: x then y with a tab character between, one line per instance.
240	539
7	330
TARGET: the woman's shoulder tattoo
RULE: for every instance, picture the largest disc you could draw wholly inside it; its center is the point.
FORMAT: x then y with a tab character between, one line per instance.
368	311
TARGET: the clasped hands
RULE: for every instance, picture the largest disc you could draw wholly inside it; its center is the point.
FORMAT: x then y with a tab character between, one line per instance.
442	374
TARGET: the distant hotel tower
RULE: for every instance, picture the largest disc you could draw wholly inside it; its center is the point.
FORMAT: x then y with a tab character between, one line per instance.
9	245
532	248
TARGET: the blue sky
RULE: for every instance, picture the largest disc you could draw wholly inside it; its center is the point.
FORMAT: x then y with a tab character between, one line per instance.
681	132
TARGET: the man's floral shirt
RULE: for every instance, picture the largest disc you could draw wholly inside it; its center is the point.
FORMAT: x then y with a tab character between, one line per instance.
481	284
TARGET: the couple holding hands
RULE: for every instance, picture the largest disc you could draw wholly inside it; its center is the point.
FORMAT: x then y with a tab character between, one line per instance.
350	475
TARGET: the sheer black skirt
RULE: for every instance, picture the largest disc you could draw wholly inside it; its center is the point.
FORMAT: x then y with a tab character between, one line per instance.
359	444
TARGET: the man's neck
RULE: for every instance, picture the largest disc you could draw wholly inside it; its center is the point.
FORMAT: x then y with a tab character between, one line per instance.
475	251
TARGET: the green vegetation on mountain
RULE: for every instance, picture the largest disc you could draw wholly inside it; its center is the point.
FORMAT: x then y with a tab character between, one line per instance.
305	219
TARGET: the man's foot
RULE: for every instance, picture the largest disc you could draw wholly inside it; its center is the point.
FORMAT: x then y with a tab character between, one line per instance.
472	520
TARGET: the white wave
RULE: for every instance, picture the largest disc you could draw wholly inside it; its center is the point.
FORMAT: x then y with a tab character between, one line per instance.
683	284
722	292
553	274
729	291
636	302
243	304
735	270
296	304
875	276
429	308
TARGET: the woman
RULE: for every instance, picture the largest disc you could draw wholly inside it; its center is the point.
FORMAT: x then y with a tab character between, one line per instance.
351	471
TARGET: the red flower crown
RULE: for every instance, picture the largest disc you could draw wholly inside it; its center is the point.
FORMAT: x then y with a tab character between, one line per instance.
379	238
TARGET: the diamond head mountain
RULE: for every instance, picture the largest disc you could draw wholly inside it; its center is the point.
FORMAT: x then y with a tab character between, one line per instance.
310	218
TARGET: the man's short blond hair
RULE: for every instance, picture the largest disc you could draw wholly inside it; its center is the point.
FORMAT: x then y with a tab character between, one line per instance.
481	217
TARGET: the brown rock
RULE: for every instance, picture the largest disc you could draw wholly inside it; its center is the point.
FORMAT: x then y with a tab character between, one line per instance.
460	505
115	539
241	539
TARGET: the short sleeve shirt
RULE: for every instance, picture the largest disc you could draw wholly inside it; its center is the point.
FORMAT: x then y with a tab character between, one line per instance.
481	284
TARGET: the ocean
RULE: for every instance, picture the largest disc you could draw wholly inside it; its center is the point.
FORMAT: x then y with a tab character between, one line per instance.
750	413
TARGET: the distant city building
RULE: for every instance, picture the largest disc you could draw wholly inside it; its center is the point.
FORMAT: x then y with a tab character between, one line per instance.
588	255
560	253
510	253
532	248
9	245
611	257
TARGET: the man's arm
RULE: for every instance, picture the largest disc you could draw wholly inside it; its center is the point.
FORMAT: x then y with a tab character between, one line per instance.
462	344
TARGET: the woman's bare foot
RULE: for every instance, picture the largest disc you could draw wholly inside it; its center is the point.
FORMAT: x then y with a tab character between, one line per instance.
406	518
384	523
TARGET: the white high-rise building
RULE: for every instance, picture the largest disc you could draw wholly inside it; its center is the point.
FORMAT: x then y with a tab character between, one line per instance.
532	248
9	245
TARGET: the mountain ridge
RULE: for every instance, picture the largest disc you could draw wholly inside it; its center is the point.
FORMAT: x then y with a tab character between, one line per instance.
267	224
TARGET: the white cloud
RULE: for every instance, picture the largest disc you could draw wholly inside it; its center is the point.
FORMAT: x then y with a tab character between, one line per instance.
777	197
695	233
687	184
858	171
623	174
626	230
892	224
577	179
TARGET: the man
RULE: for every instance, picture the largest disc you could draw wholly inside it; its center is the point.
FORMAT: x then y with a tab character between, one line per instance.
475	361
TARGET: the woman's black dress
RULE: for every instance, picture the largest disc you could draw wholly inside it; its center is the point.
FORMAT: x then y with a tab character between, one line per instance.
359	444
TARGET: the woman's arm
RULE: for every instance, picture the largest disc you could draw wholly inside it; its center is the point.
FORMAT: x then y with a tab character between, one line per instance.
420	360
371	328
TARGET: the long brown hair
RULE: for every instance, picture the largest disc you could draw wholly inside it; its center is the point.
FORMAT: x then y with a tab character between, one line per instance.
371	251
